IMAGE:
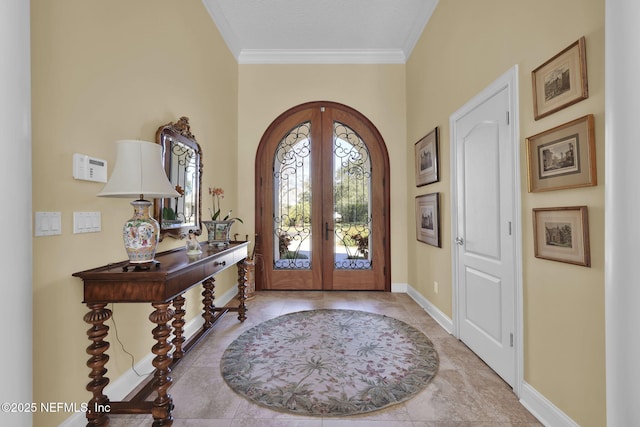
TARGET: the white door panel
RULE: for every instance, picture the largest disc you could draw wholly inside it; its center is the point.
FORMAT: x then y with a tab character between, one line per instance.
482	196
485	312
484	257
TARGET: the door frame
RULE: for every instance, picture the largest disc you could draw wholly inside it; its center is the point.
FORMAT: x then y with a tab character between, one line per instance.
261	188
508	80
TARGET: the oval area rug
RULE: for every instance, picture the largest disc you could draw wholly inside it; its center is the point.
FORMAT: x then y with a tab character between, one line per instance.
329	362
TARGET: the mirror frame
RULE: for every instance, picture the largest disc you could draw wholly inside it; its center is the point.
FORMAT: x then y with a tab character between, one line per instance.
180	132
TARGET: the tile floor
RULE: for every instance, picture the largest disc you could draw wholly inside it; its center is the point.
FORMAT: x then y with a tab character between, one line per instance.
464	392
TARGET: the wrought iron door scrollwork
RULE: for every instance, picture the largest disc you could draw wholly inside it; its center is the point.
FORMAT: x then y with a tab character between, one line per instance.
292	193
352	199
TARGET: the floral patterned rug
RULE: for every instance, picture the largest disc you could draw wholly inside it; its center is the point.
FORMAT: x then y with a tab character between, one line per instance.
329	362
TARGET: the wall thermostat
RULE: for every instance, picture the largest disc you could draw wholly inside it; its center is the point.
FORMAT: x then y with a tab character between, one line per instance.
89	168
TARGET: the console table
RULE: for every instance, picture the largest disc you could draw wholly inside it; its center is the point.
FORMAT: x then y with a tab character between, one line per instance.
162	286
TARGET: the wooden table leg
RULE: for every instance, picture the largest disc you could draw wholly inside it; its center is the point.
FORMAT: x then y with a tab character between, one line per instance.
242	284
97	333
207	301
163	404
178	327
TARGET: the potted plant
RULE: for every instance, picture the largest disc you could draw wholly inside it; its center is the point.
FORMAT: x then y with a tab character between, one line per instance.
219	229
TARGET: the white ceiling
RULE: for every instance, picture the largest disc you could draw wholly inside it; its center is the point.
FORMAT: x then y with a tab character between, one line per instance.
320	31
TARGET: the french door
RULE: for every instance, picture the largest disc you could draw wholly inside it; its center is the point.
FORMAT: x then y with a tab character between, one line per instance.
322	202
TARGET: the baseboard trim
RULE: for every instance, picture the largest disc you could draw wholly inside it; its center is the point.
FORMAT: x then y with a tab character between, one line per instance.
399	288
125	383
541	408
433	311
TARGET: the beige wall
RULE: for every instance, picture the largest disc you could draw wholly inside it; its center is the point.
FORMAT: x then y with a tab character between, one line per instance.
377	91
465	47
104	71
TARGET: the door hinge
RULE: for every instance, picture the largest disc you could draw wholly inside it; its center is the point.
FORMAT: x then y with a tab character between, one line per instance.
511	339
509	228
507	117
384	270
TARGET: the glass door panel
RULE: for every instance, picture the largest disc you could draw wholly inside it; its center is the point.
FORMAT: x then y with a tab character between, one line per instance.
351	200
292	231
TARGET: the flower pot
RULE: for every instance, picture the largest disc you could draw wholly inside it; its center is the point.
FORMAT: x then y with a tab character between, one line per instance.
218	232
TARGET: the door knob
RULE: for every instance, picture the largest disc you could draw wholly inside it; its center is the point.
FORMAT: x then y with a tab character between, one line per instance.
459	240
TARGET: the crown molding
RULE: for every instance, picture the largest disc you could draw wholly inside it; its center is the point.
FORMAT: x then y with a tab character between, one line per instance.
226	31
416	30
310	56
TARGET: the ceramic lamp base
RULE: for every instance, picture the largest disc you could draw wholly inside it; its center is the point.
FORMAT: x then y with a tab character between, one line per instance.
141	234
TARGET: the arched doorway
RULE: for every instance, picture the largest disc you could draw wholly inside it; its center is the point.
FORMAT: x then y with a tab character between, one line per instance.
322	202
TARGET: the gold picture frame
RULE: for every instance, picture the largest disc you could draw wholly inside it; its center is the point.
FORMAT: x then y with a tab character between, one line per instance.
562	234
561	81
563	157
428	219
426	159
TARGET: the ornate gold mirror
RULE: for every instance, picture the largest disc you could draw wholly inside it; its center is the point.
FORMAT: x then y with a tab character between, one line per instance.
182	159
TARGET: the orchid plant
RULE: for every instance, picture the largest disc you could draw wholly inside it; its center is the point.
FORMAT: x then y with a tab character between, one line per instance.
217	194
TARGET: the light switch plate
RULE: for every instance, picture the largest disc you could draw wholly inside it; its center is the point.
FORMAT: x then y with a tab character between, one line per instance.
48	224
86	222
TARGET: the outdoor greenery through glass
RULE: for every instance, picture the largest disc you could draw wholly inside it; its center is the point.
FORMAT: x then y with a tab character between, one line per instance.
351	200
292	199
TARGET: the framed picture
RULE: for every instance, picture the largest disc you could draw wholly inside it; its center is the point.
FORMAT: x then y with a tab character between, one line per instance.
561	81
426	154
562	234
428	219
563	157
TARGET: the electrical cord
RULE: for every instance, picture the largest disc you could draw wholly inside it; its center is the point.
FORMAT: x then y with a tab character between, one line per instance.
115	328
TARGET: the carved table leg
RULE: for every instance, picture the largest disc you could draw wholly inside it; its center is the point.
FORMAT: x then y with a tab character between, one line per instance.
207	301
163	404
242	284
178	327
97	333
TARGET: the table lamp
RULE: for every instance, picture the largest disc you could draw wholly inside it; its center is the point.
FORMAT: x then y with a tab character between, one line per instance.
139	172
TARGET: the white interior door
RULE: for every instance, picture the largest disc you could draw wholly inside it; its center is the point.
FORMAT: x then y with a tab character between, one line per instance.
484	227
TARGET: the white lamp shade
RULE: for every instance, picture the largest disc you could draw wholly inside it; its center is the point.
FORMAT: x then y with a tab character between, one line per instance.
138	171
